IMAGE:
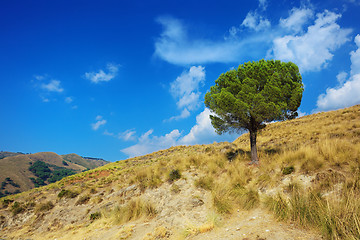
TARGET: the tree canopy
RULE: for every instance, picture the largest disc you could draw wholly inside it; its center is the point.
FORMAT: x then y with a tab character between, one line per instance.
254	94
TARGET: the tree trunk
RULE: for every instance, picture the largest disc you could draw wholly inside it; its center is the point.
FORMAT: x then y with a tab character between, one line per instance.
254	156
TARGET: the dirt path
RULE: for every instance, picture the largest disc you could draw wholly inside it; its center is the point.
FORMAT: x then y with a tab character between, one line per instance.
256	225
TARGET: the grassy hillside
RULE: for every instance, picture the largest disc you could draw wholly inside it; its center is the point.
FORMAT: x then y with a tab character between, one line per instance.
88	163
307	186
15	175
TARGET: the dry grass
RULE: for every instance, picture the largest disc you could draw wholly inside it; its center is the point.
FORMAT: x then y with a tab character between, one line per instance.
134	209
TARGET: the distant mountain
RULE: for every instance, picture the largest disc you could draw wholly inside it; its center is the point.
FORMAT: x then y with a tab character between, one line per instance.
87	162
20	172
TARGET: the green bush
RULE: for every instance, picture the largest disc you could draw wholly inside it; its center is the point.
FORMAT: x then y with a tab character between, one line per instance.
95	216
17	208
288	170
174	175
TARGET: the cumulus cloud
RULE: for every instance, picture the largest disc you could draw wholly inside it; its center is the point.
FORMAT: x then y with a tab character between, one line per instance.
148	143
185	89
347	93
344	96
256	22
201	133
103	76
52	86
99	122
355	57
312	50
341	77
303	37
298	17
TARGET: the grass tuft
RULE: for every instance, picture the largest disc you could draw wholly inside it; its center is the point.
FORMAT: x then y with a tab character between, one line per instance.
134	209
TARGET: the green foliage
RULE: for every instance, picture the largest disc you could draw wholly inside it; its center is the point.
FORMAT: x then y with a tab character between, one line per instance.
6	202
264	91
41	170
174	175
38	182
67	194
288	170
65	163
255	93
43	173
17	208
57	175
94	216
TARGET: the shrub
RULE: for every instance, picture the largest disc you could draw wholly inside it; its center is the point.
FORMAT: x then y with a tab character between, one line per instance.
17	208
174	175
67	194
95	215
45	206
288	170
6	202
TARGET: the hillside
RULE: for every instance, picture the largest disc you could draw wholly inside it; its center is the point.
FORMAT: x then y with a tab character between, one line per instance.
15	175
307	186
87	162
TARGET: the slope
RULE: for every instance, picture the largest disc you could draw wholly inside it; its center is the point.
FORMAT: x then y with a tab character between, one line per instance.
307	186
15	175
88	163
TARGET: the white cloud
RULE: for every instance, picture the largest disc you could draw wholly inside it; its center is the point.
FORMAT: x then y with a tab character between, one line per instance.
341	77
101	75
256	22
107	133
355	57
201	133
347	93
185	87
52	86
99	122
343	96
303	37
184	114
148	143
69	99
128	135
298	17
312	50
263	4
175	46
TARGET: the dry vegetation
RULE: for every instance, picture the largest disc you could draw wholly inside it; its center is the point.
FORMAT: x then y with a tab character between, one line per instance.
309	175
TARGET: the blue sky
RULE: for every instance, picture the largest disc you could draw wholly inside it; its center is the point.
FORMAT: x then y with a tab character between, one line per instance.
116	79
